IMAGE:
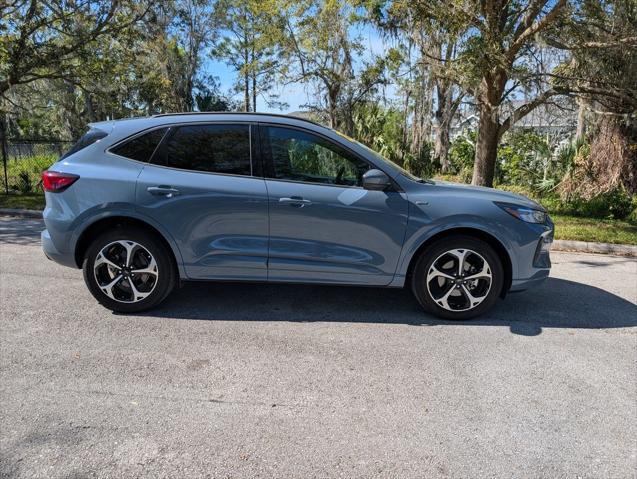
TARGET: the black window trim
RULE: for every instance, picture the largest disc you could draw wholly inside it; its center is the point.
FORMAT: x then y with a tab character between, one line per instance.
73	149
137	135
170	129
268	167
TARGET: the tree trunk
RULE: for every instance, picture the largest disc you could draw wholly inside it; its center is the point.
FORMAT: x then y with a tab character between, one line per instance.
246	92
486	146
422	113
581	120
442	144
254	92
489	131
332	104
3	149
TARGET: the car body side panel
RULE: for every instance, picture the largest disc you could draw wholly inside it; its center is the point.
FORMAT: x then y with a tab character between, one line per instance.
344	235
219	222
104	186
435	209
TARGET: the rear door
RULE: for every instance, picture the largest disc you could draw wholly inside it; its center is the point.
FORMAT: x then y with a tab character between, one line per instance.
324	226
203	186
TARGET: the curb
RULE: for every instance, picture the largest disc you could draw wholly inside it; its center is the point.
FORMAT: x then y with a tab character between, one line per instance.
587	247
20	213
558	245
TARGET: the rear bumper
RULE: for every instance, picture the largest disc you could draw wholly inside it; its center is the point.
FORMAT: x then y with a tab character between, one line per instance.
51	252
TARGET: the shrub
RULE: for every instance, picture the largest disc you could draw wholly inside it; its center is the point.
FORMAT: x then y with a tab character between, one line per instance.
24	173
462	154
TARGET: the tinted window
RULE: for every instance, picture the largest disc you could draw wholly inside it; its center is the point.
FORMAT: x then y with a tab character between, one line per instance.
89	138
142	147
213	148
301	156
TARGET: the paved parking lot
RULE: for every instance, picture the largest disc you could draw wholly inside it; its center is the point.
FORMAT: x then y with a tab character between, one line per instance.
304	381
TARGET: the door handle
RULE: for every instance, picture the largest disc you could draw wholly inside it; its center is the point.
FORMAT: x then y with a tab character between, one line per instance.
162	190
295	201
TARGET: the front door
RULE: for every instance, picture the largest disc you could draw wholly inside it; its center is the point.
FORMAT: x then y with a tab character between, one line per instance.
202	186
324	226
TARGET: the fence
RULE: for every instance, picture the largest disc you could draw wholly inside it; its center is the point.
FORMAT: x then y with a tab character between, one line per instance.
23	158
25	148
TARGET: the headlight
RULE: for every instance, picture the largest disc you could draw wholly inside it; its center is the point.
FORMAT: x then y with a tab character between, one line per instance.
528	215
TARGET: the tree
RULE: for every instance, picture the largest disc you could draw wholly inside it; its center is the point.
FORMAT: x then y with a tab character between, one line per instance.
502	36
602	72
429	81
44	40
248	46
318	50
183	31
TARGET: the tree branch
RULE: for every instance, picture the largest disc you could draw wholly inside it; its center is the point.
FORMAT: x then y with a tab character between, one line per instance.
527	108
533	29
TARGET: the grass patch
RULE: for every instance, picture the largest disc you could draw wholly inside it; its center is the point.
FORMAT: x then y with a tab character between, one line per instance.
24	173
27	201
594	230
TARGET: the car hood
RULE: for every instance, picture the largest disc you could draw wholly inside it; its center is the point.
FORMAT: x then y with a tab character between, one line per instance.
490	194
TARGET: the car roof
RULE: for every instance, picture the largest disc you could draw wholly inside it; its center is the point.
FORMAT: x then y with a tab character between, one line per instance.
127	126
259	115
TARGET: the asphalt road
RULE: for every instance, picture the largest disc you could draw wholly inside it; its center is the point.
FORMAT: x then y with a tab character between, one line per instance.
304	381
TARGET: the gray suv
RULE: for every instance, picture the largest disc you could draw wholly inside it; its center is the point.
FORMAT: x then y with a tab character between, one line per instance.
143	204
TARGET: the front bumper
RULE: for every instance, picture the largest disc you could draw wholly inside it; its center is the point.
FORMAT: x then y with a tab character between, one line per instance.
541	264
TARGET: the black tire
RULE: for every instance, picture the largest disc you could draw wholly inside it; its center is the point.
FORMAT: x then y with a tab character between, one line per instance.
433	254
159	289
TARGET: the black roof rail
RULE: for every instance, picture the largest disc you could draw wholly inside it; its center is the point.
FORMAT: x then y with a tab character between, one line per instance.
280	115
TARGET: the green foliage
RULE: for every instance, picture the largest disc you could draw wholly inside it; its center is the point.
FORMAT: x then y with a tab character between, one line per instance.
25	201
594	229
383	130
632	217
462	154
249	46
524	158
616	204
24	174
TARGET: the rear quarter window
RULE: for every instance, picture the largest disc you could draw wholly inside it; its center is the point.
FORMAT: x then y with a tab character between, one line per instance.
87	139
142	147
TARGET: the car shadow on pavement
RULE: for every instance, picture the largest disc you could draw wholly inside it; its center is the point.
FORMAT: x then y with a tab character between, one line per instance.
557	303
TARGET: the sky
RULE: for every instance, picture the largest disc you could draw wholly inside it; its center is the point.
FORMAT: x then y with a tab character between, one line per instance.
295	94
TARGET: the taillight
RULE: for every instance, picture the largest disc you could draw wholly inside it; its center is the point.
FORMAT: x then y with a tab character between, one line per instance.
54	181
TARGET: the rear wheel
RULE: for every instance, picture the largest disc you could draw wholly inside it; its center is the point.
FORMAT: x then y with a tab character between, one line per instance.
129	270
458	277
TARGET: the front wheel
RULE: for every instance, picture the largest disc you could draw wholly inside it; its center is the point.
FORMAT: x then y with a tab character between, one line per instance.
458	277
128	270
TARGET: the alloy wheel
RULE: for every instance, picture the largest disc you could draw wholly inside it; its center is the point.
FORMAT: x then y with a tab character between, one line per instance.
125	271
459	279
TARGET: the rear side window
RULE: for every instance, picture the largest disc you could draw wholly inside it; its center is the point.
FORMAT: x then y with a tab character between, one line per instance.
140	148
210	148
87	139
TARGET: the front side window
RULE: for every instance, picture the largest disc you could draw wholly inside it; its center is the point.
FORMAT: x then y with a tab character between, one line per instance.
300	156
210	148
140	148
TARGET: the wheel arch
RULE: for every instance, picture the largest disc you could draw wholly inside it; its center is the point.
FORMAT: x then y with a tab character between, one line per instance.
92	230
488	238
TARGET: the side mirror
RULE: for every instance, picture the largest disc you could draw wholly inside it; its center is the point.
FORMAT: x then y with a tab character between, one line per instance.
376	180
